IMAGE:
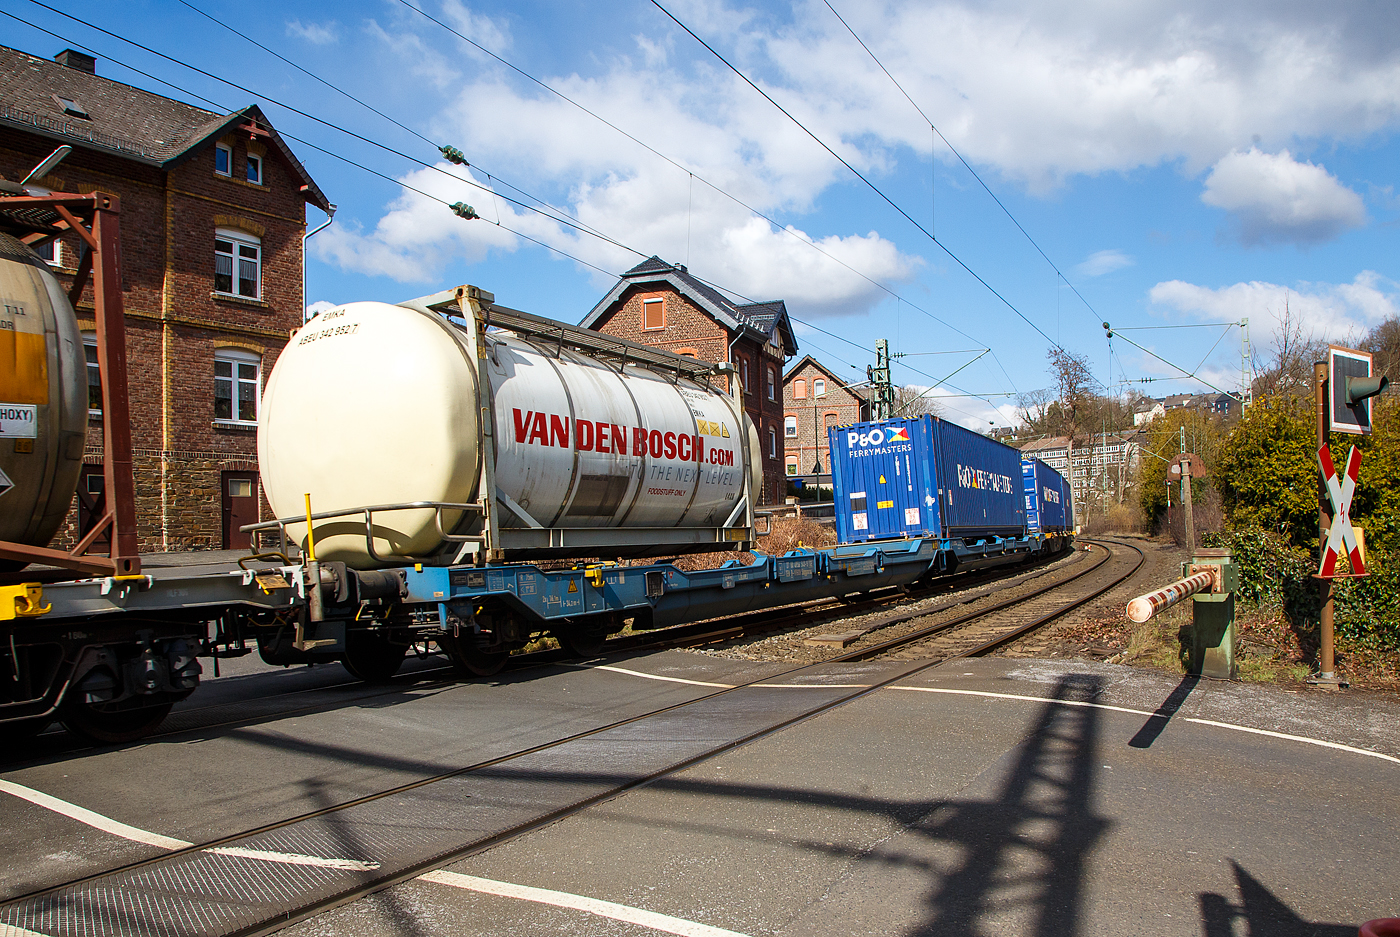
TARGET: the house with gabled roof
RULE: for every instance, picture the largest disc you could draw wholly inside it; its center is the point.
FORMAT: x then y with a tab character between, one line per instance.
815	400
212	217
665	305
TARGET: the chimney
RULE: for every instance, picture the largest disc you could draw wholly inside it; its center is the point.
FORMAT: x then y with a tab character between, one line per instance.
75	59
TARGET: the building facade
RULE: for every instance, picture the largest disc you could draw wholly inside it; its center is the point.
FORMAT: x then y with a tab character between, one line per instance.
661	304
815	399
213	211
1105	464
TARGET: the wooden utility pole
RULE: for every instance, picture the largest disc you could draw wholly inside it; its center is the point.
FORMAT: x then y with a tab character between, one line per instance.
1186	505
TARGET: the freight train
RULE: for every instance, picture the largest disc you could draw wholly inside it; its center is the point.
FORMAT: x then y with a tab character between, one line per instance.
450	472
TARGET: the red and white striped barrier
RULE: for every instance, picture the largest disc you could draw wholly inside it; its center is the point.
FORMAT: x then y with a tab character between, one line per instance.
1144	607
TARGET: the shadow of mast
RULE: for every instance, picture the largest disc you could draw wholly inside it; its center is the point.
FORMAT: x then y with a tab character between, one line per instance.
1022	868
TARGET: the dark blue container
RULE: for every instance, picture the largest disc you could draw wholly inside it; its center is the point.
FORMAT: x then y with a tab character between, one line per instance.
924	477
980	483
1045	497
1068	497
884	481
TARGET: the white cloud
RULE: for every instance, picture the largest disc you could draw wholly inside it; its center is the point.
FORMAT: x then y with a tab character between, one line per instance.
1277	199
315	33
1101	262
492	34
1325	310
318	307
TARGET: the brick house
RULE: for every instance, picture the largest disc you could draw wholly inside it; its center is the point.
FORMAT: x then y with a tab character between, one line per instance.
661	304
213	211
815	399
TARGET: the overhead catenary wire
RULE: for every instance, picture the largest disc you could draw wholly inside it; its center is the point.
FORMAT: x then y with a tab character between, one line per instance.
694	176
351	162
859	175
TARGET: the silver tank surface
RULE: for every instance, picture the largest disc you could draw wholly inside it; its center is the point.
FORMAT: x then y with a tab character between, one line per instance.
43	398
373	404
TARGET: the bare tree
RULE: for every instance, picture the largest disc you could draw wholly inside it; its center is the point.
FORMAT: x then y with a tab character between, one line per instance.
912	401
1288	370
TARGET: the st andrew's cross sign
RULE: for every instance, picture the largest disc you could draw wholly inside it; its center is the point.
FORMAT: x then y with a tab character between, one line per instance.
1340	491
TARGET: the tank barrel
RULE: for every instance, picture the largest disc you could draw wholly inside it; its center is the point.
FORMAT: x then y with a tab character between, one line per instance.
1146	606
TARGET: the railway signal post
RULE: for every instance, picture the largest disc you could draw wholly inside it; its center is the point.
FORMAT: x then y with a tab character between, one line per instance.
1343	386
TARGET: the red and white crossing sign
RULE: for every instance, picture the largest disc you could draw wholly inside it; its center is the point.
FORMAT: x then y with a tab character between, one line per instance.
1339	492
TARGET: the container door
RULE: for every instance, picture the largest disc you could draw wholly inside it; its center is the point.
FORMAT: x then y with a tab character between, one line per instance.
882	481
240	507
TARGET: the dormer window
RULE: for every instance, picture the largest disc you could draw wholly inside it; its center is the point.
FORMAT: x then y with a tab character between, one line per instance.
254	169
223	159
71	108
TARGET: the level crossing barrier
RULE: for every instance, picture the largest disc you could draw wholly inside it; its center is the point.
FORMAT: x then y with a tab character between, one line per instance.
1211	580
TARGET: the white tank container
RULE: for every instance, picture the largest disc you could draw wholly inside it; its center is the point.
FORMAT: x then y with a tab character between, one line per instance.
43	398
373	404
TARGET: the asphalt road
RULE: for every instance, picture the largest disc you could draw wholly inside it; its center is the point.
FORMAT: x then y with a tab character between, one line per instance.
950	805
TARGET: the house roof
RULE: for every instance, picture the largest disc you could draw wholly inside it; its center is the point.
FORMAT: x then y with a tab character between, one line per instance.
1050	442
121	120
759	320
862	393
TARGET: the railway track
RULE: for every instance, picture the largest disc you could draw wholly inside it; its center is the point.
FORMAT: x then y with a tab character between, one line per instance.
259	880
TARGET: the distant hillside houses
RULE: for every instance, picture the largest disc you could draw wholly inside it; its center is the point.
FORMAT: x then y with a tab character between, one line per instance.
1150	408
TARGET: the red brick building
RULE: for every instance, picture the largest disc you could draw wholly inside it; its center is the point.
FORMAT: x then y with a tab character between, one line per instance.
213	211
661	304
815	399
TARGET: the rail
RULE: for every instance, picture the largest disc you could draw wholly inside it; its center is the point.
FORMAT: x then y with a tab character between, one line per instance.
280	524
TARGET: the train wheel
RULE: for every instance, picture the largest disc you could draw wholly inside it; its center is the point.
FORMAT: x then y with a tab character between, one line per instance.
582	643
372	657
472	660
98	723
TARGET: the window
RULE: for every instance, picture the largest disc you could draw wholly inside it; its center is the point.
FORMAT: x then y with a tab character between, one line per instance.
654	314
772	443
51	252
792	465
789	426
236	386
254	169
819	388
237	264
223	159
688	352
71	108
799	389
94	374
772	384
744	374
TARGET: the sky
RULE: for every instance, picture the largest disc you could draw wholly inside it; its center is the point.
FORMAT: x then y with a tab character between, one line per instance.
951	176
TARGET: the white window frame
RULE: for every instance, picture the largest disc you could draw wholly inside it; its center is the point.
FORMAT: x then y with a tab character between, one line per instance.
227	150
790	427
253	168
819	387
799	389
241	241
91	369
237	358
792	465
772	383
649	305
772	443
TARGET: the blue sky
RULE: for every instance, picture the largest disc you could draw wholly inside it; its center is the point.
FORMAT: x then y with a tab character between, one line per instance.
1181	163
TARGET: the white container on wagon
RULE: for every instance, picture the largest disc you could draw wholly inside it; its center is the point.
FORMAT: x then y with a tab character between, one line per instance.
587	445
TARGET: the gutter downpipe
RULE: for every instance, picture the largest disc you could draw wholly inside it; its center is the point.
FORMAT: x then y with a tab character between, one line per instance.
330	216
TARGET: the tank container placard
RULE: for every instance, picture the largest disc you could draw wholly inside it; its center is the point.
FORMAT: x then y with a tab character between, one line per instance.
19	421
883	480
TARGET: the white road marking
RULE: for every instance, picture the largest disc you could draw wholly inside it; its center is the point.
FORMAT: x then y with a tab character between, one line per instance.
12	930
814	686
83	815
294	858
618	912
1142	712
117	828
652	676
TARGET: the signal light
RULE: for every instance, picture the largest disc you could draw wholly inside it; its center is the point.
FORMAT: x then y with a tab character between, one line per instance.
1359	388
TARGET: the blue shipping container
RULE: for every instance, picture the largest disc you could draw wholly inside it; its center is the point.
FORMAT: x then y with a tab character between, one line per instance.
980	482
883	480
1044	489
1068	495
